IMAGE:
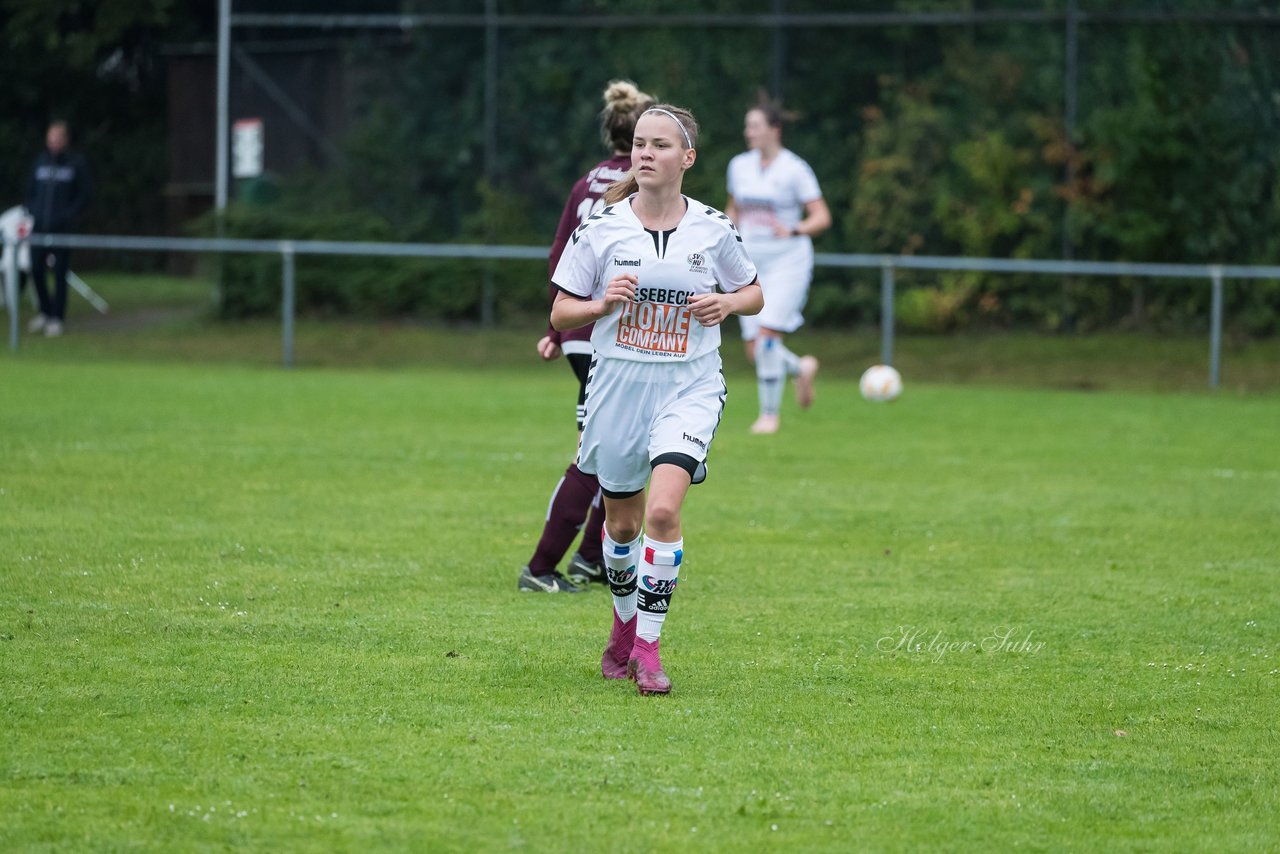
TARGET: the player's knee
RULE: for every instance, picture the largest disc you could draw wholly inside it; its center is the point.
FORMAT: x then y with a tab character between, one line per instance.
622	531
623	515
662	514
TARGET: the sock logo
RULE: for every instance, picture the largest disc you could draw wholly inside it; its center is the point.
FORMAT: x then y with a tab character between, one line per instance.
622	582
660	586
652	603
622	576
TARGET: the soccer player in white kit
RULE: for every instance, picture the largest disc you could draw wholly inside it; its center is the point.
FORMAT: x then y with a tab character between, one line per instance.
657	272
778	207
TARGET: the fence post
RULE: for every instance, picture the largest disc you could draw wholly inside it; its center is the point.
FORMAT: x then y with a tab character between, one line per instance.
886	312
488	314
287	302
10	274
1215	329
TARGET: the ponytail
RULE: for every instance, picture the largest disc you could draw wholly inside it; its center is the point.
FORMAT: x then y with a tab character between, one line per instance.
619	190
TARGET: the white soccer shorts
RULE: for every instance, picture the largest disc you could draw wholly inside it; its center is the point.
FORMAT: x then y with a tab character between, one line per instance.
637	411
785	279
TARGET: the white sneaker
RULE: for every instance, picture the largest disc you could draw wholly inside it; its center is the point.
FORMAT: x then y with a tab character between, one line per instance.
37	323
53	328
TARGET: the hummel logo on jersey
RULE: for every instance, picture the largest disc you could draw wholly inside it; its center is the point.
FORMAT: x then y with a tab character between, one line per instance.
626	262
695	440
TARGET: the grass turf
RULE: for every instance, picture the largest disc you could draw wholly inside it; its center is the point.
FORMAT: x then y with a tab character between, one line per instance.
251	608
242	607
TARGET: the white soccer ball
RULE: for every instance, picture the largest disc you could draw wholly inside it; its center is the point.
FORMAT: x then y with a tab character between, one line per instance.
880	384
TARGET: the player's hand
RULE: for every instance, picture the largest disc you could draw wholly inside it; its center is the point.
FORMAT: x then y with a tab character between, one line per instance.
620	291
780	230
548	349
709	309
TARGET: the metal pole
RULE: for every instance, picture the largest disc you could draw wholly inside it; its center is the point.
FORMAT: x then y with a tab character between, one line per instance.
1070	84
779	49
91	296
287	302
490	87
224	87
1215	330
11	290
886	312
1071	75
487	289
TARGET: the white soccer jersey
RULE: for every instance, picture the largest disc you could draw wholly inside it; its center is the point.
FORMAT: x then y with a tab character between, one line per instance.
765	197
702	252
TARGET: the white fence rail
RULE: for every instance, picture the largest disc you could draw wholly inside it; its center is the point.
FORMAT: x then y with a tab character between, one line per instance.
1213	274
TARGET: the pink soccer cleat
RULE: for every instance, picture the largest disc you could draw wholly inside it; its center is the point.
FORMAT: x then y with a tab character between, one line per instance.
645	669
613	664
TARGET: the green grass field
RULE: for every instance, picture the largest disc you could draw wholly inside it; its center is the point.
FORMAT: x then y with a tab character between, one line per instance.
248	608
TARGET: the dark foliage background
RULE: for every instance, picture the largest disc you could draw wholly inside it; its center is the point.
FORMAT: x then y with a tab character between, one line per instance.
937	140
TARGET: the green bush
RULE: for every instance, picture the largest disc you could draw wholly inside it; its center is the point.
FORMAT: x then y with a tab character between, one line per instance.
444	289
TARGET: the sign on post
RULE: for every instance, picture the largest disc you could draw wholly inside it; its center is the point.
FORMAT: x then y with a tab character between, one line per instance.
246	148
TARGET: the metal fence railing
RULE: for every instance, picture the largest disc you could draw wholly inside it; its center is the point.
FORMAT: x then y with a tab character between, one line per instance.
1214	274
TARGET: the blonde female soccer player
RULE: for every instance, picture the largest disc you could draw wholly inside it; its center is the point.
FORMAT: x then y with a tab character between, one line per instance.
776	203
657	272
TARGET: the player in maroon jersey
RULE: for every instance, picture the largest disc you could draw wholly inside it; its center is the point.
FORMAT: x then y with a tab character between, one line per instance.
577	496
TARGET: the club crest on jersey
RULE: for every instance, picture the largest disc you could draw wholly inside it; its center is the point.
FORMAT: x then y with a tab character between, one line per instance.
697	262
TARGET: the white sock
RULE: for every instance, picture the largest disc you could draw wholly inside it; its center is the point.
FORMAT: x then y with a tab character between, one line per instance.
770	374
620	561
659	572
790	361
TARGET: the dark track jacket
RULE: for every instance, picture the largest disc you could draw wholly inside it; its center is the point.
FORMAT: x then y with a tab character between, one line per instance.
57	190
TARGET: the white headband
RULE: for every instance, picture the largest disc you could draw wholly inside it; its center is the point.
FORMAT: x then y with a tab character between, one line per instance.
688	143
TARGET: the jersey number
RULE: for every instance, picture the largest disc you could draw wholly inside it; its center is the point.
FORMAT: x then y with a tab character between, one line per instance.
589	207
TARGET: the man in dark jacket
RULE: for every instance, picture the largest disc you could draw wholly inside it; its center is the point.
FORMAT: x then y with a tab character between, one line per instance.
56	194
